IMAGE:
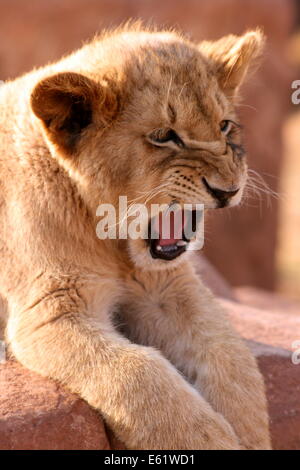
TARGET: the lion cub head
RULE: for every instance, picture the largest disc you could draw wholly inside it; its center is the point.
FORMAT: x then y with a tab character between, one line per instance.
151	116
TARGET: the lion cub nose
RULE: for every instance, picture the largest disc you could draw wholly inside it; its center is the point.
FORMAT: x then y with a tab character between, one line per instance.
219	194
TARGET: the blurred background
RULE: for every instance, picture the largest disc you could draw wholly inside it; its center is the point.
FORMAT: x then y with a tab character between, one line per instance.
259	243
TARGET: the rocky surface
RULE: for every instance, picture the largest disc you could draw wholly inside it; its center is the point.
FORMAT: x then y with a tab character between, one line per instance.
278	327
283	392
35	413
265	300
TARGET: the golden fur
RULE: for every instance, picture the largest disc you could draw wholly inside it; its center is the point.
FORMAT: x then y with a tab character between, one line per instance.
140	339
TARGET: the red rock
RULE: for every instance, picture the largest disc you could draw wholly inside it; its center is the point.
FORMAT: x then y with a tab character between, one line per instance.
282	379
275	328
266	300
35	414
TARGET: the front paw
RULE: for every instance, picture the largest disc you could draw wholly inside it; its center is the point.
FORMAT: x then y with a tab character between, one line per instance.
215	433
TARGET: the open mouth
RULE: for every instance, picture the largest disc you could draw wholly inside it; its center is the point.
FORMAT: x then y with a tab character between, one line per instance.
170	233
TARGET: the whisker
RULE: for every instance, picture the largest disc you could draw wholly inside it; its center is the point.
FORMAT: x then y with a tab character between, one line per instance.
149	195
258	186
247	106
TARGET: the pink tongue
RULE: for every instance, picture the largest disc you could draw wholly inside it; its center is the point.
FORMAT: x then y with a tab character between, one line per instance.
171	226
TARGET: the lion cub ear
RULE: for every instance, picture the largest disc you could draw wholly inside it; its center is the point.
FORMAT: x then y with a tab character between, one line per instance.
67	103
231	57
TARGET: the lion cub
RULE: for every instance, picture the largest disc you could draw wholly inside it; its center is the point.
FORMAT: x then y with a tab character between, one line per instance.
148	115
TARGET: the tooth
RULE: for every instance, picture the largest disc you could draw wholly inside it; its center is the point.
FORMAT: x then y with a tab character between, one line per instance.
159	248
181	243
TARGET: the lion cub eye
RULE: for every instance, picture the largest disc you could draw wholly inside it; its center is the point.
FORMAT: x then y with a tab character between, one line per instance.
164	137
226	126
